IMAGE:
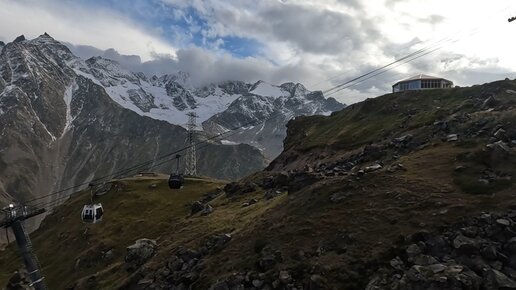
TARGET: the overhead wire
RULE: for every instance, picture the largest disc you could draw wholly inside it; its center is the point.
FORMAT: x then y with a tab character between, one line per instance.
124	171
422	52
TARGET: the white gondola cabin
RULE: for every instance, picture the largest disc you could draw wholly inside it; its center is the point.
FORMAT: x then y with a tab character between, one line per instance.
92	213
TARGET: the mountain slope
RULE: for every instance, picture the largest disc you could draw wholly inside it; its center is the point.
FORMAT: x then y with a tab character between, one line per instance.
398	169
220	107
60	128
276	105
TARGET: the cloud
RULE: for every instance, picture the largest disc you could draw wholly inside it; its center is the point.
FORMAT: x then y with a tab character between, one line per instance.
78	24
319	43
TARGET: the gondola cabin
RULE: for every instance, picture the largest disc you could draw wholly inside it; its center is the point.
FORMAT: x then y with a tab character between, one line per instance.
175	181
92	213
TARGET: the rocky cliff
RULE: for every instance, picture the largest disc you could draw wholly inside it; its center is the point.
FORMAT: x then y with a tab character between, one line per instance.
59	127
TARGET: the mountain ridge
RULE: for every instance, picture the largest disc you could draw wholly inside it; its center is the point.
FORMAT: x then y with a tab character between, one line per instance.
60	128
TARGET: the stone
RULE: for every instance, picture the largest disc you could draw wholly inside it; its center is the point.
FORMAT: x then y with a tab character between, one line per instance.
140	252
316	282
413	250
249	202
340	196
438	247
490	102
489	252
403	139
208	209
19	280
510	246
270	194
470	232
196	207
284	277
372	168
267	262
257	283
495	279
503	222
217	242
500	134
236	188
437	268
424	260
460	168
452	138
465	245
397	264
454	269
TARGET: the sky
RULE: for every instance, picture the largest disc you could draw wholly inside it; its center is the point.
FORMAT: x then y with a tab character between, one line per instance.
320	43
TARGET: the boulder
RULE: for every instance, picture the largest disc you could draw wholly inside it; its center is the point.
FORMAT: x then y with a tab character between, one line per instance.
495	280
413	250
140	252
275	181
217	242
465	245
490	102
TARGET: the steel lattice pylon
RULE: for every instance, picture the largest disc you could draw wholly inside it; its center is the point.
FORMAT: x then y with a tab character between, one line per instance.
191	154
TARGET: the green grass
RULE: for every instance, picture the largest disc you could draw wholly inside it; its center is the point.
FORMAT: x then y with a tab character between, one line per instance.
137	212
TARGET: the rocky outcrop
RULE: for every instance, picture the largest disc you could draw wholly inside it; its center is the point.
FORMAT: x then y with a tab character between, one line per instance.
478	253
184	267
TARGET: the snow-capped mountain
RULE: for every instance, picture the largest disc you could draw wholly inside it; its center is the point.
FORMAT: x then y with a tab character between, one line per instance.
61	123
167	98
220	107
270	107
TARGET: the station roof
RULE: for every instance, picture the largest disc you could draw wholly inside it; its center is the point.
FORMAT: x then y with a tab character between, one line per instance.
420	77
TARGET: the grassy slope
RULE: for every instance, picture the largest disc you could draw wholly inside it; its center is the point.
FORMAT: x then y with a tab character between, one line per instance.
136	212
381	206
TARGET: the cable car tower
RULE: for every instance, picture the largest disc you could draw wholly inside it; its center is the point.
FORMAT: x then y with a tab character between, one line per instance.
191	154
13	216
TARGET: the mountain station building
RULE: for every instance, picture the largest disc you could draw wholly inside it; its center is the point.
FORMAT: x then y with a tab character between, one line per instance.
422	82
